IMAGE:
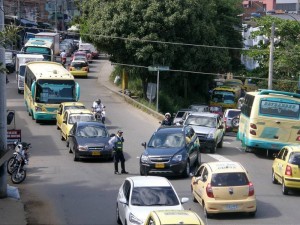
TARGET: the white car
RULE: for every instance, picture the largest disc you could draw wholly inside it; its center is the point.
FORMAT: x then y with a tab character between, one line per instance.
140	195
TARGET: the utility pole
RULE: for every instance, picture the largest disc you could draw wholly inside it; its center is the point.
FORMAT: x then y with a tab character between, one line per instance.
3	125
271	59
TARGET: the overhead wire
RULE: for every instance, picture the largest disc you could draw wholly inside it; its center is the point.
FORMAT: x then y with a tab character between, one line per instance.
166	42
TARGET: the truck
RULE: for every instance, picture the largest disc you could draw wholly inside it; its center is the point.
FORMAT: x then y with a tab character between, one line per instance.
54	37
21	60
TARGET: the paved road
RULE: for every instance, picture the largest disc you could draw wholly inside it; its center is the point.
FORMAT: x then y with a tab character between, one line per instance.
61	191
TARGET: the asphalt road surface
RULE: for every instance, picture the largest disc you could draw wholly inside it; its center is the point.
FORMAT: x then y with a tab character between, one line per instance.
58	190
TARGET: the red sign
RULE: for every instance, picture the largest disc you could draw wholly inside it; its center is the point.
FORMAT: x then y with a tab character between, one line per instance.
13	135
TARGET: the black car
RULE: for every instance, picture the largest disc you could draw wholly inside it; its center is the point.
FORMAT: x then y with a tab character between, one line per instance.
172	150
10	61
90	140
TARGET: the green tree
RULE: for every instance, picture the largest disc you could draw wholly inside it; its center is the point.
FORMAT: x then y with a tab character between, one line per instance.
286	52
124	28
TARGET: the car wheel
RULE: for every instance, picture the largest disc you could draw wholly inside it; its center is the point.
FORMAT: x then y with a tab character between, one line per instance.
143	172
274	180
206	214
76	158
118	215
252	214
199	158
220	144
235	122
62	137
285	190
57	127
186	172
213	150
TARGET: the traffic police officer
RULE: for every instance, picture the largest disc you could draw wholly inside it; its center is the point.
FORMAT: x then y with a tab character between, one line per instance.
117	143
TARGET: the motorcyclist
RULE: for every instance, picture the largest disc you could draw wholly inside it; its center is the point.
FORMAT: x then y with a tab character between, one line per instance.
98	108
167	120
63	56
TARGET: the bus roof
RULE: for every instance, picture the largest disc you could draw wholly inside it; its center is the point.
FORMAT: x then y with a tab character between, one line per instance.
39	42
48	70
275	93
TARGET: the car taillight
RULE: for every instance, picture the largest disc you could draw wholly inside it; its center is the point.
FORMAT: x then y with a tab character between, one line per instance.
253	132
70	68
253	126
288	170
298	138
251	189
298	132
209	191
85	69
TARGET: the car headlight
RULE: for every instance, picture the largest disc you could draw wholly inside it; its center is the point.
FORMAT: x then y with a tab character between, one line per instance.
177	158
38	109
210	135
134	219
144	158
82	148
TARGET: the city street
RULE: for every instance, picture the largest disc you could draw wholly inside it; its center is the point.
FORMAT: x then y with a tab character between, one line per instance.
58	190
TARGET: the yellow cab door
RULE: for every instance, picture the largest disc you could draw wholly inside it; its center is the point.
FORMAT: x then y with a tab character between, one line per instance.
200	184
279	163
64	124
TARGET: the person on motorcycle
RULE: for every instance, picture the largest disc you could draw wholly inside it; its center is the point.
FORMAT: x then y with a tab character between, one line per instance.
167	121
63	56
98	109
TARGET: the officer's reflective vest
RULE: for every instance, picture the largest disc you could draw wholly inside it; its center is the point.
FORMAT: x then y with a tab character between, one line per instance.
119	144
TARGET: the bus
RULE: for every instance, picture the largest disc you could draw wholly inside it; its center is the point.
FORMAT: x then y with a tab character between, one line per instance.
40	46
47	84
228	94
269	120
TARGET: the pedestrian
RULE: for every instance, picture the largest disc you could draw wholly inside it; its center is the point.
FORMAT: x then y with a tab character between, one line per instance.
117	143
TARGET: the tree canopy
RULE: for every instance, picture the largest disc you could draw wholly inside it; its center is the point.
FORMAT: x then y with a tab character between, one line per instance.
189	35
286	66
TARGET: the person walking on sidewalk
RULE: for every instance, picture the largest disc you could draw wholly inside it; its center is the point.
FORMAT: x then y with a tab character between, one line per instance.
117	143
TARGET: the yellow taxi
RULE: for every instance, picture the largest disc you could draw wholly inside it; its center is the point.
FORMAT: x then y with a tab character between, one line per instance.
72	116
223	187
79	68
286	168
63	107
173	217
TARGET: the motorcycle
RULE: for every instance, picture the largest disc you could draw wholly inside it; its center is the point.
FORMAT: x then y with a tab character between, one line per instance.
16	163
100	114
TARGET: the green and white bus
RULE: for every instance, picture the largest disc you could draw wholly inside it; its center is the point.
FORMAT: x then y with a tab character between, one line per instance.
40	46
47	84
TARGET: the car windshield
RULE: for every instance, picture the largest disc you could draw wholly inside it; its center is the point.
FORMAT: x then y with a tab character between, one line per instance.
229	179
73	118
92	131
154	196
75	107
201	121
167	140
180	114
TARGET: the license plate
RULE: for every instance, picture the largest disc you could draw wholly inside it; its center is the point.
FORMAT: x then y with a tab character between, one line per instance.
159	165
95	153
231	207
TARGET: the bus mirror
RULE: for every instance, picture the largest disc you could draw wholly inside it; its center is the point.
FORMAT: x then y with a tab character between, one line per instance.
33	89
10	117
77	91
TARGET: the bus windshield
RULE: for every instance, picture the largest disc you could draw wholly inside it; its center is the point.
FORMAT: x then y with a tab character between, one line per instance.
279	109
55	91
46	52
223	96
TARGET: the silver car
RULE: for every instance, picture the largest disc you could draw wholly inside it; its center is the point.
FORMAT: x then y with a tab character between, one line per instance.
231	119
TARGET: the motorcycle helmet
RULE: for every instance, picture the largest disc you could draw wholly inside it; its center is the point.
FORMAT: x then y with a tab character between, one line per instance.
18	148
98	101
167	114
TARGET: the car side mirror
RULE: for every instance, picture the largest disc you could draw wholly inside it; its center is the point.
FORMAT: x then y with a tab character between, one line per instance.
64	121
123	201
144	144
184	200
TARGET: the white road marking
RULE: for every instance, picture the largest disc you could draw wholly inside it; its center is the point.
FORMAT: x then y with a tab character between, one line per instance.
218	157
226	142
241	150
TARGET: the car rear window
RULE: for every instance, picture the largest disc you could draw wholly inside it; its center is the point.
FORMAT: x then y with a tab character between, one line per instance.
232	114
295	159
229	179
78	64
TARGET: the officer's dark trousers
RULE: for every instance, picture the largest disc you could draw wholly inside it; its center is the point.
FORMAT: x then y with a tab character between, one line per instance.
118	156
